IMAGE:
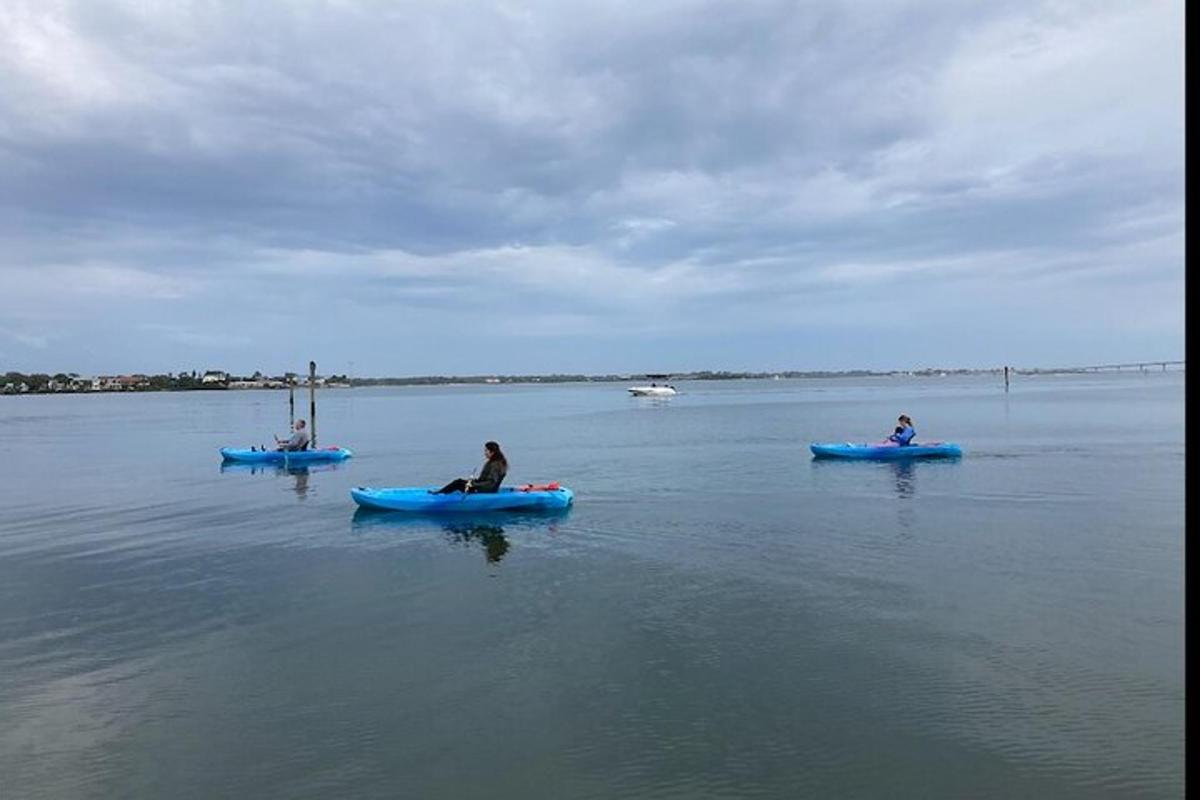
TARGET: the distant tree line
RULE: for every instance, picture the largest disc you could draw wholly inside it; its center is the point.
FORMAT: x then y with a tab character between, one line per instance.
67	382
702	375
39	382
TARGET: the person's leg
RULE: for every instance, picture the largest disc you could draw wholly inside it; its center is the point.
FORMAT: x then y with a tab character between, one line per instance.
456	485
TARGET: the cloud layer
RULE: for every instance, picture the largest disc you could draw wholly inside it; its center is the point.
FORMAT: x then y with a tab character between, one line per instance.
536	187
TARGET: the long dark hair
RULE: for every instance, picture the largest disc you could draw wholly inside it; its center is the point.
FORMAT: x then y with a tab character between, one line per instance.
495	454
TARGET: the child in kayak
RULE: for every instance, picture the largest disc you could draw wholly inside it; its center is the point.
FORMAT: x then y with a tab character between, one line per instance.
495	467
904	432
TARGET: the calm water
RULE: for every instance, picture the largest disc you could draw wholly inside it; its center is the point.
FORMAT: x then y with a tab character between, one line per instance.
718	616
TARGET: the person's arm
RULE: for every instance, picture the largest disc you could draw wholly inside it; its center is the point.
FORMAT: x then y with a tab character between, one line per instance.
906	436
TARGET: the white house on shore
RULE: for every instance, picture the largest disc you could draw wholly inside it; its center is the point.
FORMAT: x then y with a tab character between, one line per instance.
117	383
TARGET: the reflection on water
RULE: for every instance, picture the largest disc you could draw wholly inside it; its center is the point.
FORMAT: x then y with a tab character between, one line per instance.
897	478
300	474
902	473
277	469
905	474
484	528
490	536
301	485
652	402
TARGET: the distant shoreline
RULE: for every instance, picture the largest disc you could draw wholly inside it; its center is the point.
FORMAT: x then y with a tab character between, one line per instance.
20	384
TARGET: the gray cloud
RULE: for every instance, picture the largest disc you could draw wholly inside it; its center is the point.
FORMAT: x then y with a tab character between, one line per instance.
586	171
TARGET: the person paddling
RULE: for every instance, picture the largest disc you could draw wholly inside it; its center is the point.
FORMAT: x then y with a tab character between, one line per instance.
298	440
495	467
904	433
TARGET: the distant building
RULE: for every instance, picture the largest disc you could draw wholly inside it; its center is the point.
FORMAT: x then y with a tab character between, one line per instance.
257	383
131	382
115	383
215	376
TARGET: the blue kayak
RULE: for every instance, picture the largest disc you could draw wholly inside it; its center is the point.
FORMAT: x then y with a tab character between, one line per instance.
885	450
420	499
289	457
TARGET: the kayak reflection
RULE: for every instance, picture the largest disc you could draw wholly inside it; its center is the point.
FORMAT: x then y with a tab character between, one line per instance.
486	528
902	472
276	469
298	473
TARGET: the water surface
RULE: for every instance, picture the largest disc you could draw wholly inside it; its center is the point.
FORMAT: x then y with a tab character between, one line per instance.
719	615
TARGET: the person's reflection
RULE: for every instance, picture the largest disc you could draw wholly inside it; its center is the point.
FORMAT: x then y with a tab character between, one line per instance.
904	474
301	485
905	477
495	544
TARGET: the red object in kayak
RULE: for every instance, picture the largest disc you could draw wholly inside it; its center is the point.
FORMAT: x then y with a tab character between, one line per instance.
540	487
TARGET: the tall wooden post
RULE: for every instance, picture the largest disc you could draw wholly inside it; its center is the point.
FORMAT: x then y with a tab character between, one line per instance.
291	403
312	403
1006	379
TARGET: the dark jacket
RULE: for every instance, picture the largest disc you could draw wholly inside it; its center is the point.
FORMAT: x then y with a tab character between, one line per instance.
490	477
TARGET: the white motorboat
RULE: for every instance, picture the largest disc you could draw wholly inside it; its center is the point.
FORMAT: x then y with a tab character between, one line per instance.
652	391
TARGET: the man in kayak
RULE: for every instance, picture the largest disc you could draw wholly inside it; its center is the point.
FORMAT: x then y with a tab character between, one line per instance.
495	467
298	440
904	432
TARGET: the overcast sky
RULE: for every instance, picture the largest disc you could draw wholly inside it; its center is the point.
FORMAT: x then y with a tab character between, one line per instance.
406	188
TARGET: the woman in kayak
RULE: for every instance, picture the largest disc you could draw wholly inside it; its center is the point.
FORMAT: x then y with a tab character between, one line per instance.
495	467
904	432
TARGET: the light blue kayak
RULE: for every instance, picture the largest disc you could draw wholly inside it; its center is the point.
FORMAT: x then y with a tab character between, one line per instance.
885	450
419	498
289	457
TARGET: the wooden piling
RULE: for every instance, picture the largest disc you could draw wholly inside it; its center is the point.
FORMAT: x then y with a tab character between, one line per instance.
312	403
1006	379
